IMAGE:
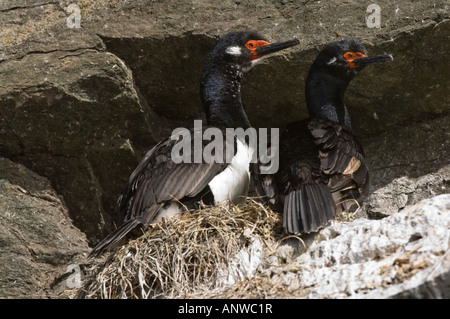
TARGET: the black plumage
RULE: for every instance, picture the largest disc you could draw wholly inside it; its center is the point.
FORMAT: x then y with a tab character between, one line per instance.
160	187
155	184
158	180
322	164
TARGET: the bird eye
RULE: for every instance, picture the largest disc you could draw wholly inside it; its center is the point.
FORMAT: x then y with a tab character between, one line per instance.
250	44
349	56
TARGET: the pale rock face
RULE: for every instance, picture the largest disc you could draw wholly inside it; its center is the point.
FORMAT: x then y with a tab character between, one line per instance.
403	255
380	258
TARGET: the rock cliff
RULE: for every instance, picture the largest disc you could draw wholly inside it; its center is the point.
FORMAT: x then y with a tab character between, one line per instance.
79	106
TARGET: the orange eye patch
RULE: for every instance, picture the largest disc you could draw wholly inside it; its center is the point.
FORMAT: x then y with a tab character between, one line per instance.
351	56
252	45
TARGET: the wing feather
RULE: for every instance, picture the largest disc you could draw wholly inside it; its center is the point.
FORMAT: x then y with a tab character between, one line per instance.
340	154
318	158
158	179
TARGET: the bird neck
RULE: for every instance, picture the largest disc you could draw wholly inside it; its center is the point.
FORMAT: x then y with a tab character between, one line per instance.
325	98
221	97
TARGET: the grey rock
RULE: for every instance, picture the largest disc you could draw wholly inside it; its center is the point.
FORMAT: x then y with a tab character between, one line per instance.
382	258
405	255
70	98
37	237
79	107
403	191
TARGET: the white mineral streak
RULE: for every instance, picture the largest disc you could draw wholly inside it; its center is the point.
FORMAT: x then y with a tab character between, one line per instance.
403	255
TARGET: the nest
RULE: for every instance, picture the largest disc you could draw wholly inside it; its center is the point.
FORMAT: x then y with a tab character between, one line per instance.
183	256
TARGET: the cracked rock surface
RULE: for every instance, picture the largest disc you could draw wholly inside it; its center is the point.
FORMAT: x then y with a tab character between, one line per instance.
403	255
79	107
37	236
91	101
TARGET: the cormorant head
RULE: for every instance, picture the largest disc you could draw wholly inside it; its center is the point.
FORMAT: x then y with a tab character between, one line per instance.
238	52
346	58
331	72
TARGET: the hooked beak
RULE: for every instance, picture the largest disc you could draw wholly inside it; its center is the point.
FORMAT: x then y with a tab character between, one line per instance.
275	47
360	62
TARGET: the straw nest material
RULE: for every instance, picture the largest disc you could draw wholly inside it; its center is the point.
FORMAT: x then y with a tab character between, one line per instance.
183	256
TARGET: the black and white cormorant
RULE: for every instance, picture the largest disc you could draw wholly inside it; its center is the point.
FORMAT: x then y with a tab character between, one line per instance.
322	164
160	187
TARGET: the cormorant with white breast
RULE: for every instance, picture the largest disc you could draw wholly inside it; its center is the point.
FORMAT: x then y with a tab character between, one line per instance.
159	187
